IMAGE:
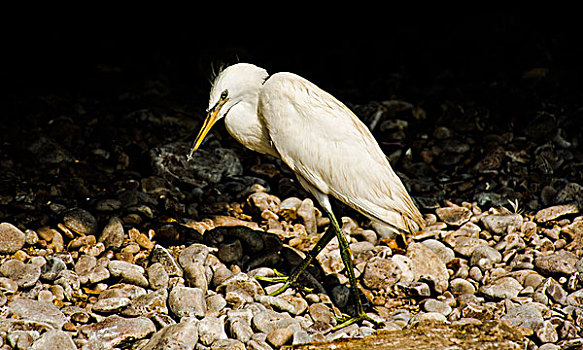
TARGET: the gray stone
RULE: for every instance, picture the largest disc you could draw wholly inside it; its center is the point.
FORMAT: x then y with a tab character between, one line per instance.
110	305
485	257
381	273
465	245
558	263
241	330
547	333
443	252
405	265
428	316
38	311
454	216
161	255
527	316
555	212
114	330
80	221
461	286
434	305
502	223
211	329
11	238
426	262
157	276
231	251
145	304
54	340
502	288
195	275
216	302
280	336
195	253
228	344
113	234
25	275
186	301
130	273
180	336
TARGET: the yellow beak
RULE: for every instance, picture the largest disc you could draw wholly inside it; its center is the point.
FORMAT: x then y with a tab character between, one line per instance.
210	120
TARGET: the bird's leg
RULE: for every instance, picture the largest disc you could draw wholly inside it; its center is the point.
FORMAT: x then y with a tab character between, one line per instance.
297	272
347	259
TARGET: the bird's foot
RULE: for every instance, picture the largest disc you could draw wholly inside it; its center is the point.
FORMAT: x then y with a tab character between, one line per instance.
281	278
346	320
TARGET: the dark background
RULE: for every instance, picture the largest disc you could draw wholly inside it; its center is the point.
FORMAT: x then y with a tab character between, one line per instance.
406	54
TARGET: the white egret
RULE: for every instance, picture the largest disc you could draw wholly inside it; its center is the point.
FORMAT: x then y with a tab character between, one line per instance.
330	150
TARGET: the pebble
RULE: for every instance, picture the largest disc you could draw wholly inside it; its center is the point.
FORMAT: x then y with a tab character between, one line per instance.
115	330
210	329
461	286
485	257
426	262
25	275
11	238
560	263
128	272
501	288
527	316
186	301
80	221
157	276
454	216
113	234
180	336
54	340
38	311
381	273
280	336
547	332
228	344
161	255
434	305
502	223
555	212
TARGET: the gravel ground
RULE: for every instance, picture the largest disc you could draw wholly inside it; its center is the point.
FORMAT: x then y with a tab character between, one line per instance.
110	239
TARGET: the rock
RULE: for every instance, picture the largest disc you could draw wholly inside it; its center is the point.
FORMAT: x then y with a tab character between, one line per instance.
330	259
526	315
54	340
114	330
502	288
110	305
38	311
554	212
180	336
11	238
186	301
434	305
113	234
215	302
80	221
405	265
454	216
161	255
228	344
25	275
428	316
381	273
146	304
465	245
307	212
547	333
130	273
485	257
426	262
280	336
261	201
241	330
502	223
157	276
211	329
195	253
461	286
443	252
558	263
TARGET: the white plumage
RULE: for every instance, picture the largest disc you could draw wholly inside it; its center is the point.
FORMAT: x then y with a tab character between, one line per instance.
331	151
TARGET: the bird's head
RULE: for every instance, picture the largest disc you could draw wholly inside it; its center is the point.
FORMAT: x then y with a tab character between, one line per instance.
235	84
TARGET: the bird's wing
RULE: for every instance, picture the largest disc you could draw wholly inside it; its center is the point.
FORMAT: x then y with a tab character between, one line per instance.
325	144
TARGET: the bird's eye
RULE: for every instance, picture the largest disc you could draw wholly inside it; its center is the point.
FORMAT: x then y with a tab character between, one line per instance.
224	94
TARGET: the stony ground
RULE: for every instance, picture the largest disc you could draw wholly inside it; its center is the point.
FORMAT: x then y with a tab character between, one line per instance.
110	239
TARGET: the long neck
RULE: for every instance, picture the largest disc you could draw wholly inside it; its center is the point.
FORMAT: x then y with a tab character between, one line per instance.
244	125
